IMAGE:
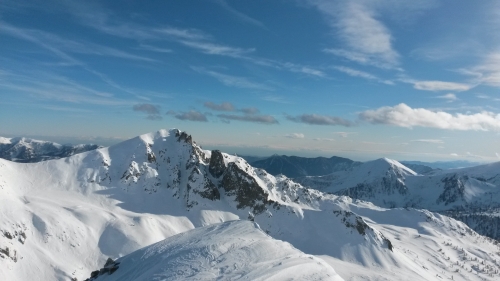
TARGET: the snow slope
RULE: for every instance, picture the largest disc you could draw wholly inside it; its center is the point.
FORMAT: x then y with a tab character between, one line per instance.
28	150
62	219
236	250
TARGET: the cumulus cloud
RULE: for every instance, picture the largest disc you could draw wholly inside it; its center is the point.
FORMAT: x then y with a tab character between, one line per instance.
315	119
436	86
225	106
264	119
404	116
152	111
294	136
191	115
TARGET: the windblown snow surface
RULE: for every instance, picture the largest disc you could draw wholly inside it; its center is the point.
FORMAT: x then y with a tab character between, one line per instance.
61	219
234	250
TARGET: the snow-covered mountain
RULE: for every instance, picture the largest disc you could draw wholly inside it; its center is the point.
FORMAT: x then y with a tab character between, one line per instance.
62	219
470	194
26	150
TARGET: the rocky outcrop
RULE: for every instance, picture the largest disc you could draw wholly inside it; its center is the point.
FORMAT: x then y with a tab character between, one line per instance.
246	190
454	190
109	268
216	166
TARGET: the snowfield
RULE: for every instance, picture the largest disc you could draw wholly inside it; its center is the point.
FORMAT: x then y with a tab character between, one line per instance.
231	250
62	219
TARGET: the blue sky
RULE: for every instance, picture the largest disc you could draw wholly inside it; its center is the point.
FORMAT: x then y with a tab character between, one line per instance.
361	79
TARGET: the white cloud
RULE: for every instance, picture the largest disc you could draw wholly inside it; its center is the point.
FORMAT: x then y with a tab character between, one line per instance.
362	74
240	15
454	154
323	139
233	81
404	116
448	97
217	49
441	86
489	71
154	49
294	136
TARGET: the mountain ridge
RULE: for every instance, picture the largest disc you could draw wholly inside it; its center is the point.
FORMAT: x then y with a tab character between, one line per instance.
27	150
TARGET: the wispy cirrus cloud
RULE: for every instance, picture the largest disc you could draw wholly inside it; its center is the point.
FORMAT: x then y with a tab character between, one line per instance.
315	119
367	39
154	49
487	72
239	15
233	81
362	74
402	115
436	86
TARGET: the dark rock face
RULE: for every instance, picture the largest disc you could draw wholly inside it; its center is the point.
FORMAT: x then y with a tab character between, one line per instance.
237	182
210	191
109	268
454	189
352	220
8	253
216	166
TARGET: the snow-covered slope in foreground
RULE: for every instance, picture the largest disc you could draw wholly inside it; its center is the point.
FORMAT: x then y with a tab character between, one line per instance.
231	250
61	219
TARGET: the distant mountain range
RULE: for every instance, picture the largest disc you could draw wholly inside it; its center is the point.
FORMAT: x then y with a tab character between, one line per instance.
469	194
26	150
294	166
